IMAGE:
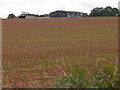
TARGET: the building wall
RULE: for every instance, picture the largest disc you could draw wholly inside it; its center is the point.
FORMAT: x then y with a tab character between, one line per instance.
58	14
21	16
66	14
74	14
30	17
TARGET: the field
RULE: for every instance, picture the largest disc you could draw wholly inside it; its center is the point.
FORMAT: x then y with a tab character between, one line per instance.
36	50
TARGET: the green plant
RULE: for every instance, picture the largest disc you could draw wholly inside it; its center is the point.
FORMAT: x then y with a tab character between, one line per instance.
105	76
76	79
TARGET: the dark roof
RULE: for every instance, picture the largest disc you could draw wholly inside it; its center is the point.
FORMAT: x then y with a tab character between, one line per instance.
67	11
29	15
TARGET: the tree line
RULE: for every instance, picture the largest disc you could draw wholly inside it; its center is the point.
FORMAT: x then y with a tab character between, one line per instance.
96	12
104	12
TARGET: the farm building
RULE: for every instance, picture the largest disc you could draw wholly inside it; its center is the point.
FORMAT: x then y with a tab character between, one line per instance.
27	15
60	13
46	16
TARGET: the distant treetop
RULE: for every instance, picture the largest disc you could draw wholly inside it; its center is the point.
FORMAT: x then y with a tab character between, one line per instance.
108	11
11	16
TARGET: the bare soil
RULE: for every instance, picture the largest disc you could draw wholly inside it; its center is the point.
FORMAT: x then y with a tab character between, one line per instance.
36	50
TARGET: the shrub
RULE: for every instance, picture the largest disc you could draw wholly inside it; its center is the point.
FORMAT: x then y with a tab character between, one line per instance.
76	79
105	76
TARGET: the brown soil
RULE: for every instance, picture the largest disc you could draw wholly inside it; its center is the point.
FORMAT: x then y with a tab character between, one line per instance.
36	50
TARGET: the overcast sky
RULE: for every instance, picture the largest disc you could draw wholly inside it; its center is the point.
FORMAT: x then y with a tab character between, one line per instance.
46	6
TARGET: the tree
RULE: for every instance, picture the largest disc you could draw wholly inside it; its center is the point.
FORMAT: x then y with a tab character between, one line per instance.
108	11
96	12
116	11
11	16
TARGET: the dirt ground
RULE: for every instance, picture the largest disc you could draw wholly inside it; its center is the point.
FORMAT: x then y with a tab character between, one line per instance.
36	50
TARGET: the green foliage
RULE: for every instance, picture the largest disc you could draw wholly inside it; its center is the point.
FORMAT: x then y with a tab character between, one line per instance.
108	11
76	79
109	69
11	16
105	76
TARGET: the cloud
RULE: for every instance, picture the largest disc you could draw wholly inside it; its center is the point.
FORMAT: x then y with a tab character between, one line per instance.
47	6
119	5
2	3
87	4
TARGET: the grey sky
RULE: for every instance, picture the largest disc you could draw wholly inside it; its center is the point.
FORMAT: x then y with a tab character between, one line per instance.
47	6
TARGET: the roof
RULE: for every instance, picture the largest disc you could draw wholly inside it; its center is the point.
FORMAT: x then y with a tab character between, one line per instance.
67	11
29	15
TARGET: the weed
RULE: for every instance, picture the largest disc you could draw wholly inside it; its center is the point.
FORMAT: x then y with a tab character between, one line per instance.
105	76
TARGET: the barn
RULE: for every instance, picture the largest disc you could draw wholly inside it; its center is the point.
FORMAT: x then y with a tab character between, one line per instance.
28	15
60	13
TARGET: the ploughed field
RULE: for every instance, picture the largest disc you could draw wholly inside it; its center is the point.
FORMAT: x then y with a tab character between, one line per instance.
36	50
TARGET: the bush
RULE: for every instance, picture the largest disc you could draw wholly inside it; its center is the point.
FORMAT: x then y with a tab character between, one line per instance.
11	16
